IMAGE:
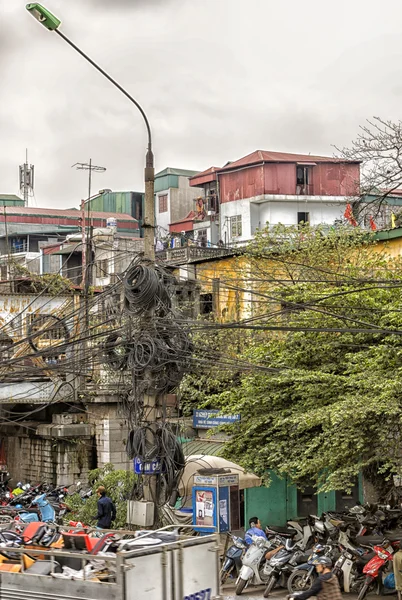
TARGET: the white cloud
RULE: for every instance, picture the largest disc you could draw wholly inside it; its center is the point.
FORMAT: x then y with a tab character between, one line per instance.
218	79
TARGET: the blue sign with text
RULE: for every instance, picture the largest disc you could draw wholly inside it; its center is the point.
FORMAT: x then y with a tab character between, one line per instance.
152	467
207	419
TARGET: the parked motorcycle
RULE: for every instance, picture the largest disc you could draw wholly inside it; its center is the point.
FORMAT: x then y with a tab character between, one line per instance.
282	564
252	569
302	578
46	511
233	558
376	569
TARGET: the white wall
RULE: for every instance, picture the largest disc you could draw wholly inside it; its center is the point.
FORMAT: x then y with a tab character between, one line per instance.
286	212
231	209
256	215
162	219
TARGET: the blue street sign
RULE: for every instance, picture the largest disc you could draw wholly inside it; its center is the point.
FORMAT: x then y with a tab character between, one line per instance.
207	419
153	467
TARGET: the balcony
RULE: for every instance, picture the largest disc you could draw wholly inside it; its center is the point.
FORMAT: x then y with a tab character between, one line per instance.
189	254
19	247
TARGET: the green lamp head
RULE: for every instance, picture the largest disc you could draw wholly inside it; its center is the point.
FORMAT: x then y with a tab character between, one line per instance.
43	15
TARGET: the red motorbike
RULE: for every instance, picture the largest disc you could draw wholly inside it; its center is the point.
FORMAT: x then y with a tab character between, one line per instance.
375	568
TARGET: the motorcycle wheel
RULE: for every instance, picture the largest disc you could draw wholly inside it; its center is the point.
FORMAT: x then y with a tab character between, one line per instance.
241	584
363	592
299	581
223	576
270	586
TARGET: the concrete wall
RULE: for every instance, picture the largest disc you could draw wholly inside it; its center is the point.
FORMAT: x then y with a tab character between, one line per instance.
180	203
35	459
255	215
111	432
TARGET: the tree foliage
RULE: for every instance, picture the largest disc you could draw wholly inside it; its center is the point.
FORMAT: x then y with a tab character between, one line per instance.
327	319
118	484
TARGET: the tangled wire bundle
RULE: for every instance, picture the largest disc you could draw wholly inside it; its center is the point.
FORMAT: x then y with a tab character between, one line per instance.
158	349
146	288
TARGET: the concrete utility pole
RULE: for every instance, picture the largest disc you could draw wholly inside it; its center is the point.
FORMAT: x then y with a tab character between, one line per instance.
52	23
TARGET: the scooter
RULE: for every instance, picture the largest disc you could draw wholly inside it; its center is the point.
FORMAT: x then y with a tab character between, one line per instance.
282	565
46	510
349	569
302	578
376	567
252	570
233	558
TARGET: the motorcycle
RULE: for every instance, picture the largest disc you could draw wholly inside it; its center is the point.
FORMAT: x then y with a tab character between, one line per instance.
252	569
233	558
46	511
282	564
302	578
375	569
349	569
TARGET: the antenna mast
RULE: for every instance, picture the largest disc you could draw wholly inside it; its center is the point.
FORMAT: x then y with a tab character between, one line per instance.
27	172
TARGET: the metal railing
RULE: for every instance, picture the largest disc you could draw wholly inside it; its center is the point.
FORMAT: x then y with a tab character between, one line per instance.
192	253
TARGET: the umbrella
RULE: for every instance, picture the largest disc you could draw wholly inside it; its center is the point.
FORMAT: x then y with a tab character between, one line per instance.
202	461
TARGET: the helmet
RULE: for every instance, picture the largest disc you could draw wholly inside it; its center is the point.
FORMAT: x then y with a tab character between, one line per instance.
325	561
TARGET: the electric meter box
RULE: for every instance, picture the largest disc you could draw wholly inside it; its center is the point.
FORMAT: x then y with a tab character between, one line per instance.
216	503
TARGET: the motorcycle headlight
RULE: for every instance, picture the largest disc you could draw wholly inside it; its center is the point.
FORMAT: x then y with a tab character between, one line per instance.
239	544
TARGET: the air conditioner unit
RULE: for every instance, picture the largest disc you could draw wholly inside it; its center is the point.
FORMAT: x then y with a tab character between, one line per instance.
210	213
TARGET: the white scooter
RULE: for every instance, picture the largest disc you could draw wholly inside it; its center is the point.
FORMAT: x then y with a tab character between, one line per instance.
252	570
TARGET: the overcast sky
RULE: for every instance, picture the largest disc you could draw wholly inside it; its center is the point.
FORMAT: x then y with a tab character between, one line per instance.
218	79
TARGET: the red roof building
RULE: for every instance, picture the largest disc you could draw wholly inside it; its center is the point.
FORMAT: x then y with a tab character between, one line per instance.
276	187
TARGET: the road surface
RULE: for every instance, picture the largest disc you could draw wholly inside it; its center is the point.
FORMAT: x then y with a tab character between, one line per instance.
254	593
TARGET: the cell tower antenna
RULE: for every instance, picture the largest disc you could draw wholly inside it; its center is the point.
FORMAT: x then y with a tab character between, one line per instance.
27	179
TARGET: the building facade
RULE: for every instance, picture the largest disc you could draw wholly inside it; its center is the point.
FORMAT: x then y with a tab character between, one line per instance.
275	188
174	198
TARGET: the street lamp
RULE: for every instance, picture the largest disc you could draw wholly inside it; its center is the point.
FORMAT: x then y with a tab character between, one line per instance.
52	23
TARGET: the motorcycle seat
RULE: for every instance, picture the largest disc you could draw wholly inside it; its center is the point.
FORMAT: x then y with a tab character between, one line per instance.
279	529
363	560
373	540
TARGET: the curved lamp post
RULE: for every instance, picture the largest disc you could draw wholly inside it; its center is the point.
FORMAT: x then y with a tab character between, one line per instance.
52	23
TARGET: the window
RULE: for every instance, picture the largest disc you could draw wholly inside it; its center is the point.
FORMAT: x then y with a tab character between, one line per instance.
4	274
303	181
45	327
206	304
202	237
236	226
102	268
163	203
303	218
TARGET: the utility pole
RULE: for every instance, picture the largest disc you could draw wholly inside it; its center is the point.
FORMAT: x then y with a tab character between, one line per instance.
86	242
52	23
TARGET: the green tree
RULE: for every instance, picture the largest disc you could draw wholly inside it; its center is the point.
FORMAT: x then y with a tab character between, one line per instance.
118	484
327	324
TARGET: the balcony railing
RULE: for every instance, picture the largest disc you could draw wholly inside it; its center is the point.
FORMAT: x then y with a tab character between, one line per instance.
192	254
18	247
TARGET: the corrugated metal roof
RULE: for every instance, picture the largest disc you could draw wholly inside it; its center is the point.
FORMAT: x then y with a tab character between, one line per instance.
170	171
10	198
261	156
205	447
58	212
189	217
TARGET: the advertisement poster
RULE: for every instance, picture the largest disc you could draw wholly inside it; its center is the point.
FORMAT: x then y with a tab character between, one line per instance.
204	506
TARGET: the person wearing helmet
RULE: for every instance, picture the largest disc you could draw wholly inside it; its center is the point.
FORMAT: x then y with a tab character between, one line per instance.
325	587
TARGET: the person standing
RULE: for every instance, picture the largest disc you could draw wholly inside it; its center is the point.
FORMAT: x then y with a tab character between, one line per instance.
106	509
397	564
